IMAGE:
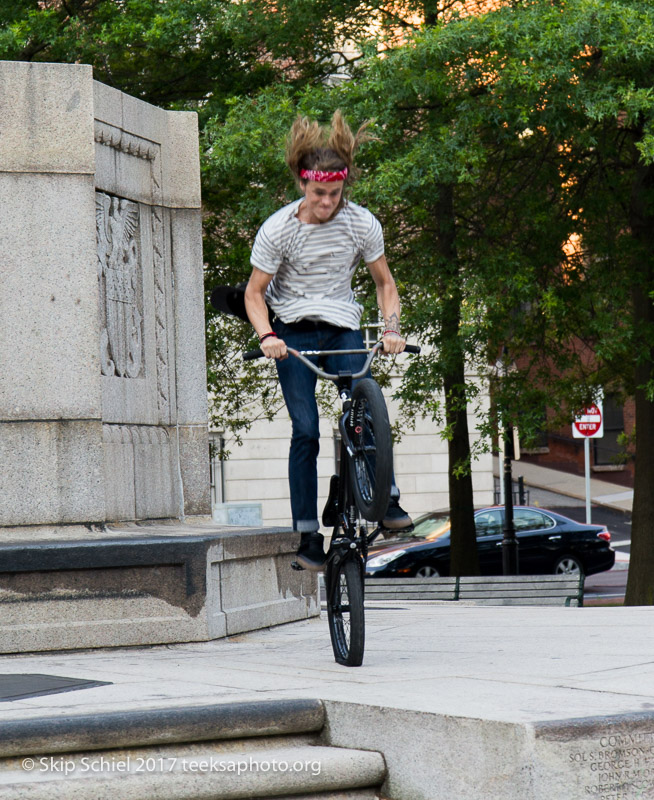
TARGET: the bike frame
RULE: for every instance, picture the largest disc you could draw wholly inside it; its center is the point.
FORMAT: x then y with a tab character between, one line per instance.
347	545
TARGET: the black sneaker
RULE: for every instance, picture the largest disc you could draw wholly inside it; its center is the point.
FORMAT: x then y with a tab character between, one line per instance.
396	518
310	554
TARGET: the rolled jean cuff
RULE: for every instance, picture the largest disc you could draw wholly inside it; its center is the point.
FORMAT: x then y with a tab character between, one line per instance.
307	525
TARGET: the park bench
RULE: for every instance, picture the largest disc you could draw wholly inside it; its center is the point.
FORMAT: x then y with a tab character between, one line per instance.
499	590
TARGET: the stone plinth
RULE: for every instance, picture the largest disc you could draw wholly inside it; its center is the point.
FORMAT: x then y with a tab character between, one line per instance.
103	412
148	584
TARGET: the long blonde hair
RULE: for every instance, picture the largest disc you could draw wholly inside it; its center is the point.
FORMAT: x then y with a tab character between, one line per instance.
330	148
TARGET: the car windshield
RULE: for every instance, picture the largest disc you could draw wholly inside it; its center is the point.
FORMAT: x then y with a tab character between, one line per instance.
431	528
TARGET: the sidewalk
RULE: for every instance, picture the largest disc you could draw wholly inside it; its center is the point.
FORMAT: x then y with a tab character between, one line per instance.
602	492
469	661
477	703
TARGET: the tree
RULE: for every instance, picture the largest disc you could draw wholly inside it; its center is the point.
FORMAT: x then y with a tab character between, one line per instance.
568	88
609	158
192	54
591	88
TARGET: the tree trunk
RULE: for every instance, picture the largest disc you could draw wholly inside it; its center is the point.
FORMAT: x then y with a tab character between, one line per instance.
640	584
464	559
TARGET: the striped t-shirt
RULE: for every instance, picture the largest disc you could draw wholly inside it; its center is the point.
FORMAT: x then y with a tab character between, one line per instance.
313	265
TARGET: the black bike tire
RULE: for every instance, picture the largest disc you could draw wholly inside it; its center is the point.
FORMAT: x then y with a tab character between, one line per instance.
348	636
372	501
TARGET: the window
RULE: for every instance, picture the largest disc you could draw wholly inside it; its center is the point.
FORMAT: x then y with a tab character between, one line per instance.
541	439
337	451
527	519
433	527
488	523
372	332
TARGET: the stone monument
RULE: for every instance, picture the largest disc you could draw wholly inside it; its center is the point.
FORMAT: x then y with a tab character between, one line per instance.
103	402
102	368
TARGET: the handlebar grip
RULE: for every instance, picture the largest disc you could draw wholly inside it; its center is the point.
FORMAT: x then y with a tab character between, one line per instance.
412	348
252	354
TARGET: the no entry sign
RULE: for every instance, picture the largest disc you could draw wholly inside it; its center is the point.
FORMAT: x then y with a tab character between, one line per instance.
590	423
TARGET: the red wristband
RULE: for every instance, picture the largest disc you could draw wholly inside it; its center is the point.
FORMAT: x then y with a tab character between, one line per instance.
397	333
266	335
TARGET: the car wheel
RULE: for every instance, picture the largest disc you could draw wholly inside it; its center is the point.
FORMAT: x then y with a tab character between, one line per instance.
428	572
568	566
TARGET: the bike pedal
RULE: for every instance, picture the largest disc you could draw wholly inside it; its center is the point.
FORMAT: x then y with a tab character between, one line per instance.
296	566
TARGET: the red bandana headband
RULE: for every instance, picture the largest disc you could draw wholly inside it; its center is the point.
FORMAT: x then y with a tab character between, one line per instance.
323	177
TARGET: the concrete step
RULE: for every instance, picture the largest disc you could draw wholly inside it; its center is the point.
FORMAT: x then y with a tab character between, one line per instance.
147	584
153	726
211	771
249	750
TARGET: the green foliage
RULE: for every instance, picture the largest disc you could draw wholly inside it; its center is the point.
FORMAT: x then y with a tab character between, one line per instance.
535	117
185	53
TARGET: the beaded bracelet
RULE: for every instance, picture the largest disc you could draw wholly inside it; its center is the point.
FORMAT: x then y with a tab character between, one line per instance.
397	333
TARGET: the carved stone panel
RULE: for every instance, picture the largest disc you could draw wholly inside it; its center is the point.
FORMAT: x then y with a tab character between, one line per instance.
120	286
133	229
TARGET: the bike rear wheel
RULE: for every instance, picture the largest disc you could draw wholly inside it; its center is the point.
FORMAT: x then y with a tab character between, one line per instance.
345	612
371	471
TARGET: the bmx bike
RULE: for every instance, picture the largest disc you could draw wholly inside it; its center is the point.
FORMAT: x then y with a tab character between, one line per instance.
360	493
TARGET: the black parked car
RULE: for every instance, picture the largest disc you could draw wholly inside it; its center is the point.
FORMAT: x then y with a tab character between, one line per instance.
547	543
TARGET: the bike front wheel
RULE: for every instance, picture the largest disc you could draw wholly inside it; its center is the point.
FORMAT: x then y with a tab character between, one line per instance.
371	472
345	612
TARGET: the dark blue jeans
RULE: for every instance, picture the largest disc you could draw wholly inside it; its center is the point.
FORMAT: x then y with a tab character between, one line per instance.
298	384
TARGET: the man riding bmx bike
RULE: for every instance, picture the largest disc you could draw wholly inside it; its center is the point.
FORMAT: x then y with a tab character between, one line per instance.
303	260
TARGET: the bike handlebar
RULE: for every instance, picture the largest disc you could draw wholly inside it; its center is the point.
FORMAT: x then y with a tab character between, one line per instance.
302	355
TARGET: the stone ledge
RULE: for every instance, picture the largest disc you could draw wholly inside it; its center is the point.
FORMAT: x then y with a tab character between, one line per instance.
156	584
113	729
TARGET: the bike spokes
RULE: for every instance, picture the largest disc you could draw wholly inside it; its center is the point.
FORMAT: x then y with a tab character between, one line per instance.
345	611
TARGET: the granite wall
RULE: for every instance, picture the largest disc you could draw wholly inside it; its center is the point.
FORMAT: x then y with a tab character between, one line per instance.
103	413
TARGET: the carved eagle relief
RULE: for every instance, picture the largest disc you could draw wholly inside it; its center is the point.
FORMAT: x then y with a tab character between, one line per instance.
117	222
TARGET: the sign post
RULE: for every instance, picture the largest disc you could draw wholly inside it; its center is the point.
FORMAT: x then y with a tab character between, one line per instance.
589	425
509	541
